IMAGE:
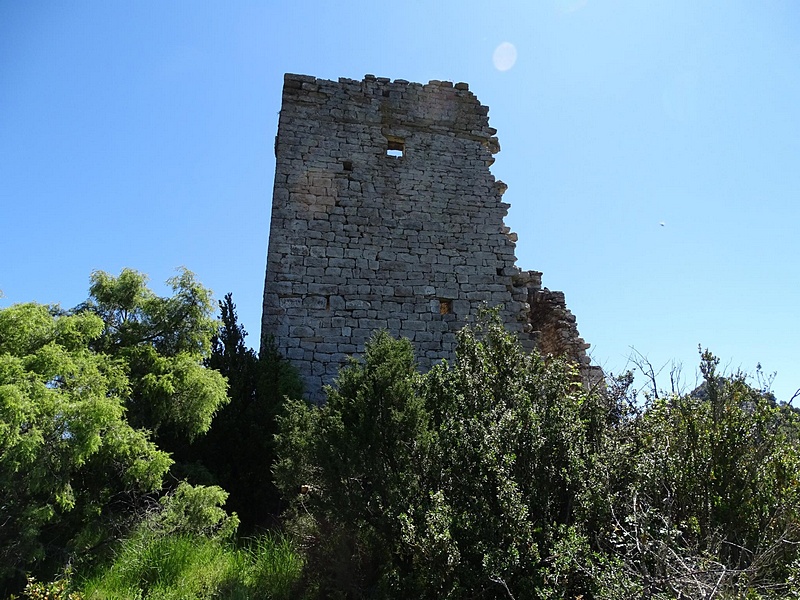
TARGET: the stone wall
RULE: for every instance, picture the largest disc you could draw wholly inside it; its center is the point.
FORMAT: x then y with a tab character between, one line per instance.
385	215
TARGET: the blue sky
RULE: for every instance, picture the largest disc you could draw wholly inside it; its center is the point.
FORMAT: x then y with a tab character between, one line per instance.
140	135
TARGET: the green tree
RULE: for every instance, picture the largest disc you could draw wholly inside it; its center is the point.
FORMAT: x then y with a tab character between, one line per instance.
239	449
68	456
357	461
459	483
517	439
162	341
89	401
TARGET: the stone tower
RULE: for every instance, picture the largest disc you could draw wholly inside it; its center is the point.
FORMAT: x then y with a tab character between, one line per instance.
385	215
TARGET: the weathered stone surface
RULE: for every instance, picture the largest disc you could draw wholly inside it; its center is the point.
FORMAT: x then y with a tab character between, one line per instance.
385	215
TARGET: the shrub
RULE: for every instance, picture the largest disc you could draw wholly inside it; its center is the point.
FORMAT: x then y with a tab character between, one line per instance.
500	475
454	484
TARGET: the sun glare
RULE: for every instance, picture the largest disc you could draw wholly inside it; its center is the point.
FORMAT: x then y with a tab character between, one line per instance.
504	57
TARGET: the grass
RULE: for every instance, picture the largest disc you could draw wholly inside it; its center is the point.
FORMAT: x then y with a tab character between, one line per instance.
275	565
184	567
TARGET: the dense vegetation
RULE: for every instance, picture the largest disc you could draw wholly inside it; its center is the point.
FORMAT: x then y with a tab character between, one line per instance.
105	410
497	475
502	476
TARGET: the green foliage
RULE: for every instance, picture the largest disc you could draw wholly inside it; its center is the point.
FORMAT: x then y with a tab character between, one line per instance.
515	441
162	342
58	589
133	315
195	510
359	455
452	484
176	566
81	395
180	550
713	501
500	475
149	566
65	446
239	449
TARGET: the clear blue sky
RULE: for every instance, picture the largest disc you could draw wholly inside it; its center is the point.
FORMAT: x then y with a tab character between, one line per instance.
140	135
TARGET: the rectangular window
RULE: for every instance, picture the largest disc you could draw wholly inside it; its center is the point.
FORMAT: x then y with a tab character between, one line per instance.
396	147
445	306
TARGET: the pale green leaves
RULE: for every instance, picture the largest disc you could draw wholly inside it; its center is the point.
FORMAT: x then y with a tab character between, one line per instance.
81	395
162	341
61	413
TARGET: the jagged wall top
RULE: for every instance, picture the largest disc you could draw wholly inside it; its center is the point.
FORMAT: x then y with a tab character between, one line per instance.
436	106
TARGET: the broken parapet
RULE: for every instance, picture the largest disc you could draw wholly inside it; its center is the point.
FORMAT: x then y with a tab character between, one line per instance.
555	327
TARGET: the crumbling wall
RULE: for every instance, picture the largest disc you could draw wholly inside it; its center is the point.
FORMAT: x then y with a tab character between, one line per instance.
385	215
555	327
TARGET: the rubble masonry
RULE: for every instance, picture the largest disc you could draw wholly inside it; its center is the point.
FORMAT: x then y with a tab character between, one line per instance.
385	215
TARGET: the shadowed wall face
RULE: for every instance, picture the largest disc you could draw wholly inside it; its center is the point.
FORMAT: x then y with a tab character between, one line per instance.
385	215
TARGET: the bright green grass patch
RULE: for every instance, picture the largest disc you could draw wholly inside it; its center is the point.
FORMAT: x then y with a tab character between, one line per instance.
184	567
274	565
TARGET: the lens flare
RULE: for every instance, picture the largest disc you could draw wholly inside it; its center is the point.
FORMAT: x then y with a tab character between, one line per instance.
569	6
504	57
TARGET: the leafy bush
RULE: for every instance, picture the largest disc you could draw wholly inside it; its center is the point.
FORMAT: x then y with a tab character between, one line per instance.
457	483
59	589
712	504
185	549
194	510
500	475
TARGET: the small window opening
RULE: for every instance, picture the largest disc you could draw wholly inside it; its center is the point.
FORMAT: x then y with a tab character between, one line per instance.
327	303
396	148
445	306
347	165
385	93
499	270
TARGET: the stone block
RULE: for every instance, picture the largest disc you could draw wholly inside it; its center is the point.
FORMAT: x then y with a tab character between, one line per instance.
356	304
290	302
314	302
301	331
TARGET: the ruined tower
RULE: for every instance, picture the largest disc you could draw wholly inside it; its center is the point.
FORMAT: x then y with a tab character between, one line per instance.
385	215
